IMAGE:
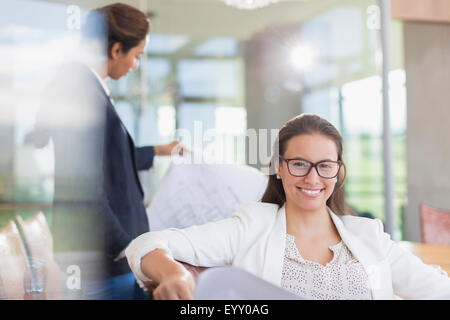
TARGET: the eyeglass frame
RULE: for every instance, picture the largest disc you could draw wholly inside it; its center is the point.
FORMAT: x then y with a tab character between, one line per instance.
312	165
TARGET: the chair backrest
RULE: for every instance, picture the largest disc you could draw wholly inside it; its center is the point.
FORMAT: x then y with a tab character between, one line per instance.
38	237
194	270
435	225
13	263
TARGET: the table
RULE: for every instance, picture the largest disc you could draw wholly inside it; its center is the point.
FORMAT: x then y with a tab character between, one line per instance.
429	254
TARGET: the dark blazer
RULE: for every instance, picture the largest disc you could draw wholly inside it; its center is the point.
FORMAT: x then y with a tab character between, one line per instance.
98	201
126	215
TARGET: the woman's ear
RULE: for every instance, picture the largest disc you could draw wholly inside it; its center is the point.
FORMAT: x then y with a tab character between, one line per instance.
277	169
116	49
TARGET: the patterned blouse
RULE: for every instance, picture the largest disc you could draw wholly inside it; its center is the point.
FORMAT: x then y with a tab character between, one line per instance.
343	278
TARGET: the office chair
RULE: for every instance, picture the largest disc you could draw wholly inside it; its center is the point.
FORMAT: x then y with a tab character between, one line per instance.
13	262
435	225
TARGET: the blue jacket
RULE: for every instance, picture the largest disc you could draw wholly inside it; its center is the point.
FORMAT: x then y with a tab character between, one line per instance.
98	201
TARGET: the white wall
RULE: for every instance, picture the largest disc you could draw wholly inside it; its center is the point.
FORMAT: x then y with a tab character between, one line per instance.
427	65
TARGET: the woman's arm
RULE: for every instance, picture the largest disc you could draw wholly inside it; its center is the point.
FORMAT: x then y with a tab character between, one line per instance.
411	278
175	282
175	147
145	155
208	245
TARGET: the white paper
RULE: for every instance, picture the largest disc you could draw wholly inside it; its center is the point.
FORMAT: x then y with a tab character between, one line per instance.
193	194
231	283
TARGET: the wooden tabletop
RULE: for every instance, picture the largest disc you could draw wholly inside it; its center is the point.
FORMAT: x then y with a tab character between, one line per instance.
430	254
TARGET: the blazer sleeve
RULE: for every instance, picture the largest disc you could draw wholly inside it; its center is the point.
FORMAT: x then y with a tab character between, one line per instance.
411	278
208	245
144	157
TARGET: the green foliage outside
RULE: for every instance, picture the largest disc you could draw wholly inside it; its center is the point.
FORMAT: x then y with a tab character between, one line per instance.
365	178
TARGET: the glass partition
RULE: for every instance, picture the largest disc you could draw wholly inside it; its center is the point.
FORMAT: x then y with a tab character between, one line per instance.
210	73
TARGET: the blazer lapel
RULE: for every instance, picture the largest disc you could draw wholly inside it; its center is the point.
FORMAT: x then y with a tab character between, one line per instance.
130	142
110	106
273	262
133	156
379	278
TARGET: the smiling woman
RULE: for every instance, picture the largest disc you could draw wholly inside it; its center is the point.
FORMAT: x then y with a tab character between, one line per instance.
308	138
302	185
300	236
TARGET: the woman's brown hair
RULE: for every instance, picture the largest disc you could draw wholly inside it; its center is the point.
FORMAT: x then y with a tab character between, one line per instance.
306	124
123	23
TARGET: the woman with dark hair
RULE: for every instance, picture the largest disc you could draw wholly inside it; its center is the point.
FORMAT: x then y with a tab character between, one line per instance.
123	30
307	125
98	203
300	236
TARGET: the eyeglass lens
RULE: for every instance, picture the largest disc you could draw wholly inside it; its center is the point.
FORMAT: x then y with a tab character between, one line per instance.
326	169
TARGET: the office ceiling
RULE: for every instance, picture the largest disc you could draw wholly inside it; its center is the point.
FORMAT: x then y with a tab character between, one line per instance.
203	18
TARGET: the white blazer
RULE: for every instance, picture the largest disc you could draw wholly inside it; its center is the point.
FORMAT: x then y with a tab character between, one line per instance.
254	239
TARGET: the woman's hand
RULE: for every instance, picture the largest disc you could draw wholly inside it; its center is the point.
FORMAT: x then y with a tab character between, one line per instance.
175	147
177	286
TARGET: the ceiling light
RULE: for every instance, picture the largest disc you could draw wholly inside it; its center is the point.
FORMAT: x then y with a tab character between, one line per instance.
249	4
303	57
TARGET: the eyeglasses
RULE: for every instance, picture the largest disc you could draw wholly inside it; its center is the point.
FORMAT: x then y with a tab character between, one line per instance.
299	167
